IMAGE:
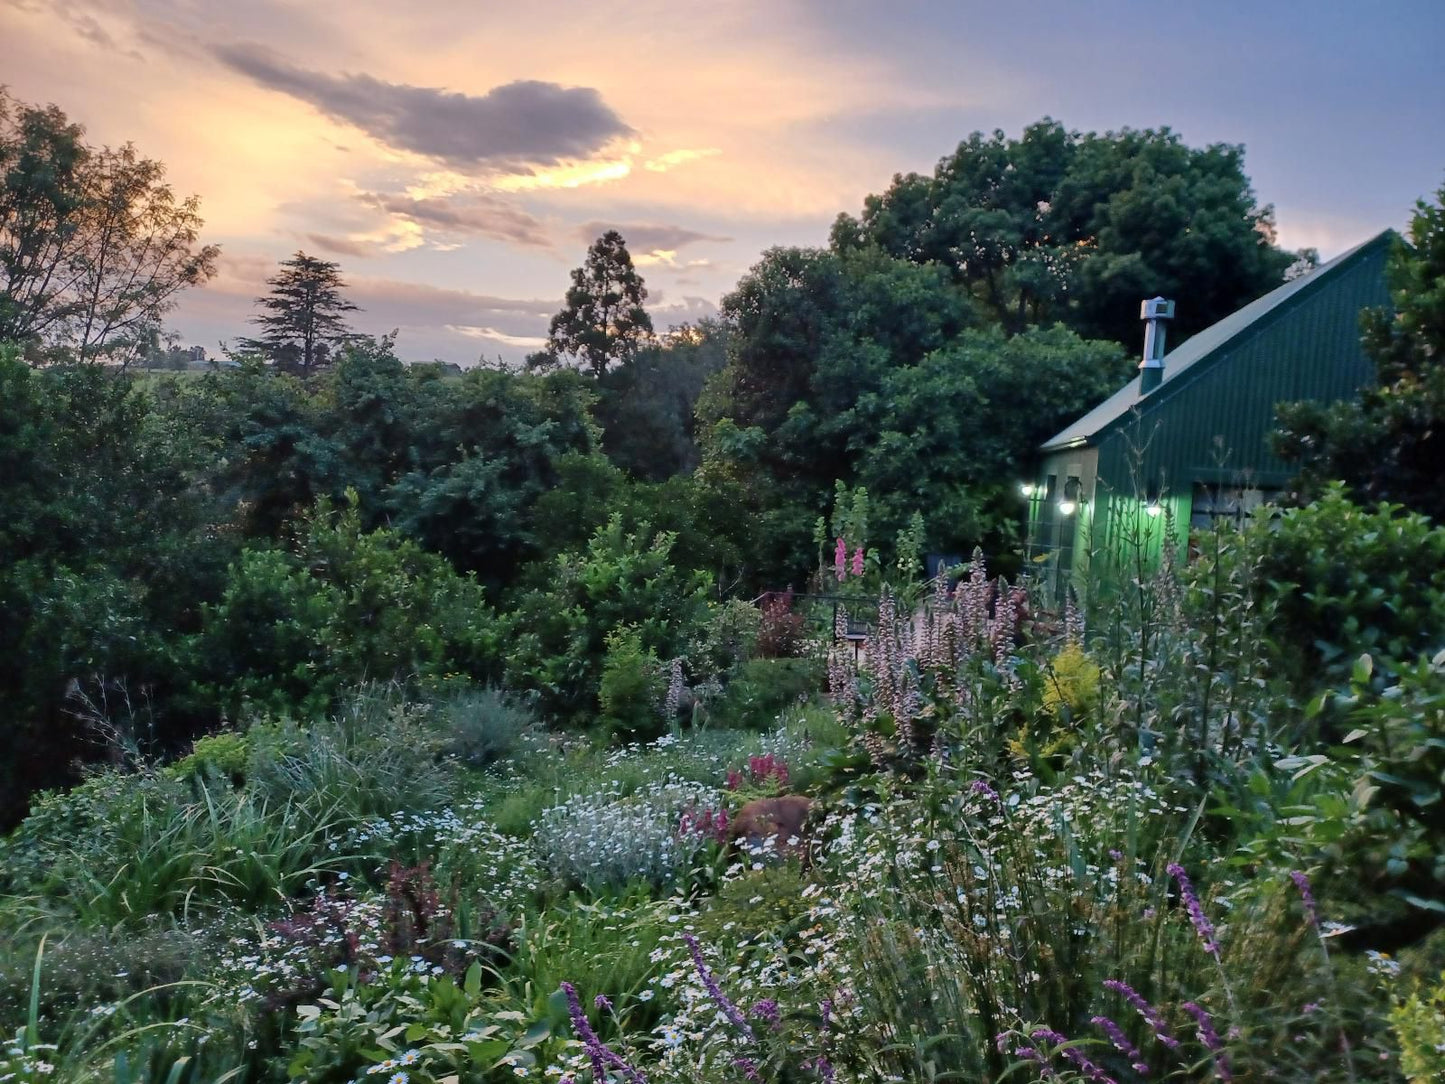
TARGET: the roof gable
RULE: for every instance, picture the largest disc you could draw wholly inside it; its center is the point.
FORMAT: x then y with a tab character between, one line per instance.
1209	346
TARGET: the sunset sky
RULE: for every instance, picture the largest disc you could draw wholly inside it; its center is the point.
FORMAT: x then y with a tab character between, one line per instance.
457	157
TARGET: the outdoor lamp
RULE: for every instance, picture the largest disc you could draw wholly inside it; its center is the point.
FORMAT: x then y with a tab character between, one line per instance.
1153	508
1027	489
1070	503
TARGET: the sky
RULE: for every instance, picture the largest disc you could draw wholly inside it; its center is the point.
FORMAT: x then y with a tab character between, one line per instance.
456	157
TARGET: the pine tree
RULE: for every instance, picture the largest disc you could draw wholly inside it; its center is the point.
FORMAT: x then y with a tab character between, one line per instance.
604	321
303	317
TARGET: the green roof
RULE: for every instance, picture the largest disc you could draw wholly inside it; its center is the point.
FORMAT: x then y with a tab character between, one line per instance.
1185	364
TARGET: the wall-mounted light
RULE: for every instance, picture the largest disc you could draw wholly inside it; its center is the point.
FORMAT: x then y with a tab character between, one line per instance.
1028	489
1153	508
1069	504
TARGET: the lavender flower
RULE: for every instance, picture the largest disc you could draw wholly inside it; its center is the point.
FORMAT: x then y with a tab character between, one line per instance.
598	1052
1121	1043
1210	1038
748	1066
602	1003
1028	1053
981	788
1146	1010
1202	925
1075	1055
1303	884
714	990
767	1011
823	1067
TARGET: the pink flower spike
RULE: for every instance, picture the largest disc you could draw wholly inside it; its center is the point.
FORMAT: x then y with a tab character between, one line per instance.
840	560
858	561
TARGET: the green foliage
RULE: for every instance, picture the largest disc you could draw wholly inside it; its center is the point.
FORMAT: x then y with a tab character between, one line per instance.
1059	226
762	689
645	403
295	627
481	726
623	579
604	322
426	1028
220	756
1419	1025
631	688
1347	580
1387	444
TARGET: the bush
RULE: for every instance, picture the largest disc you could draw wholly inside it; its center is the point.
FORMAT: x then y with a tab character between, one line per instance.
220	756
621	580
296	627
480	726
782	633
1351	580
609	839
631	689
762	689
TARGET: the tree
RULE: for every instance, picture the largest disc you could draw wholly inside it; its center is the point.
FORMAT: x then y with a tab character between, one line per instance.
1078	228
303	318
94	245
1388	444
604	321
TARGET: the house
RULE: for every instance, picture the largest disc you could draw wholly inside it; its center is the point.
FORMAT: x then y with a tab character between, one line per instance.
1186	441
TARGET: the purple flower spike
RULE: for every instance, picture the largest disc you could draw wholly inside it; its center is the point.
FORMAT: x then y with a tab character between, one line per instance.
1075	1055
1303	884
714	990
1028	1053
1202	925
1146	1010
1121	1043
598	1052
748	1066
1210	1038
602	1003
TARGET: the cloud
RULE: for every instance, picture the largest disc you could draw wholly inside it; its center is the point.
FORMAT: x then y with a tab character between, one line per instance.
513	126
664	162
649	238
410	304
477	214
531	342
342	246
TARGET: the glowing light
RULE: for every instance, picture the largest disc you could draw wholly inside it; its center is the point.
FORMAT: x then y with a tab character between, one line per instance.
1067	508
1027	489
1153	508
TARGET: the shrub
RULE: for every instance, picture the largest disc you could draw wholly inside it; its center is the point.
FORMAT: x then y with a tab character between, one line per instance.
782	633
621	580
1419	1025
632	686
480	726
295	627
609	840
1351	580
220	756
762	689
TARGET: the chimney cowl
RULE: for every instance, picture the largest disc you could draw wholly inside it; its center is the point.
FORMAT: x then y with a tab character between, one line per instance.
1153	312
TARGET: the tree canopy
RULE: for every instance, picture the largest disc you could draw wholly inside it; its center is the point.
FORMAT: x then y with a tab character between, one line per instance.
603	322
303	319
1077	228
94	245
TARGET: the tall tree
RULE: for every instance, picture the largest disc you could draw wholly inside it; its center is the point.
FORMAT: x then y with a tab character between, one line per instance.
94	245
1389	444
303	321
1056	225
604	321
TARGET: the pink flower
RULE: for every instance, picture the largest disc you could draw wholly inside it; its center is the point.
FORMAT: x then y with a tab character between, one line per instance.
858	561
840	560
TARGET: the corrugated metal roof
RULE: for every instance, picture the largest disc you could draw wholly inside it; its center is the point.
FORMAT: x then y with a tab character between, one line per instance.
1197	353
